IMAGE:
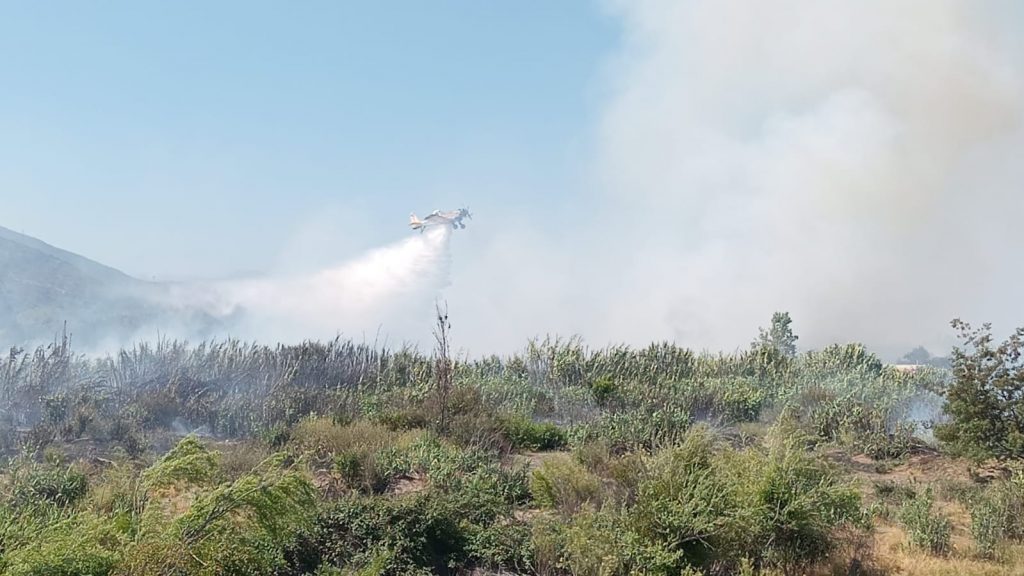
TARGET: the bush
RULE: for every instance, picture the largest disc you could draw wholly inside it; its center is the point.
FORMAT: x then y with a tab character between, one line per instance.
699	506
927	529
997	514
325	438
191	522
81	545
565	485
987	395
684	508
987	527
593	544
35	483
412	534
793	502
351	451
604	390
647	428
525	434
504	545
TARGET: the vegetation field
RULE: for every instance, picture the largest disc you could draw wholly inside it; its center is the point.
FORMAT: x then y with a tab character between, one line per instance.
341	458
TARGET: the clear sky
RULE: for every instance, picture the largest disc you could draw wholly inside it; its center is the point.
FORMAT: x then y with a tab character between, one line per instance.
199	138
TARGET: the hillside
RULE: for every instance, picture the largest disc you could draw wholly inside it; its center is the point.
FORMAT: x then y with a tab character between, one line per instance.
43	287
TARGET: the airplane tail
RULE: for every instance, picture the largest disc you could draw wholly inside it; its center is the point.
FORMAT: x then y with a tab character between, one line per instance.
415	223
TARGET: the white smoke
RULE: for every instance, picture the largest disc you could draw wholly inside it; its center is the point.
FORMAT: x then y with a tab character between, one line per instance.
853	162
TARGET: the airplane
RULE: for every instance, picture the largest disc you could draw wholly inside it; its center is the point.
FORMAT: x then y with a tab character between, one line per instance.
437	217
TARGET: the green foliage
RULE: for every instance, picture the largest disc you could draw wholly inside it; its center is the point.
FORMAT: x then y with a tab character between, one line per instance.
413	534
188	523
525	434
659	480
986	399
506	545
82	545
794	502
604	389
564	484
997	515
636	429
779	337
926	528
684	509
694	506
188	462
31	484
987	527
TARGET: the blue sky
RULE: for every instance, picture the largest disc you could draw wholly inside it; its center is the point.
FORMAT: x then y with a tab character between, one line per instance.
188	138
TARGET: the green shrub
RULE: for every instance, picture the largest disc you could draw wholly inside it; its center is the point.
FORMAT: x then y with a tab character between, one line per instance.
190	523
792	502
82	545
684	508
927	529
36	483
418	532
188	462
525	434
604	389
501	546
593	545
563	484
646	428
987	527
986	396
325	438
997	514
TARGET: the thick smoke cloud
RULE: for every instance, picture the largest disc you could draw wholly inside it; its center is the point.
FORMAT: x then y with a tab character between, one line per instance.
855	163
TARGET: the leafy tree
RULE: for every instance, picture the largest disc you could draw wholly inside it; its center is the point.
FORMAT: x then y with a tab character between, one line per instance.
921	356
986	398
779	336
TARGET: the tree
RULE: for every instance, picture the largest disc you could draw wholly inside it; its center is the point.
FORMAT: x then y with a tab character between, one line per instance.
986	399
779	337
922	357
919	355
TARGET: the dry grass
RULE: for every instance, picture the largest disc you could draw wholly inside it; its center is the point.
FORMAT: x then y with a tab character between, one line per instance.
892	554
886	549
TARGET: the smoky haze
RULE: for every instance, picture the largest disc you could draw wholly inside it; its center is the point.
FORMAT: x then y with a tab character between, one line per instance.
855	163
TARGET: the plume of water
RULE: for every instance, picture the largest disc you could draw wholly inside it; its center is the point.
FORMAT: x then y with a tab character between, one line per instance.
382	291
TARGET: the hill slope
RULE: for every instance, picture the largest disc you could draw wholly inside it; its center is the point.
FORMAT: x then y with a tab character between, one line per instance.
42	287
